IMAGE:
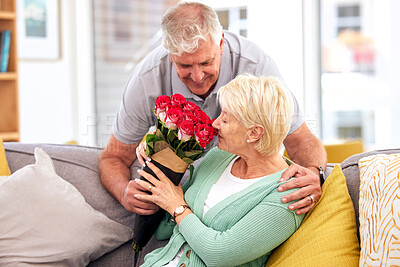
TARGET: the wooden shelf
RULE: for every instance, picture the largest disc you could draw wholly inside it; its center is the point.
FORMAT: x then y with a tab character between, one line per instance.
7	15
8	76
9	136
9	106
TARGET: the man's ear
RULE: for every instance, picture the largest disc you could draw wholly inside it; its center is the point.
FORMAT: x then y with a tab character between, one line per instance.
222	43
256	132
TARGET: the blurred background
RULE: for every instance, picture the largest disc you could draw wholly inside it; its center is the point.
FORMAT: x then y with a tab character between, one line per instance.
340	58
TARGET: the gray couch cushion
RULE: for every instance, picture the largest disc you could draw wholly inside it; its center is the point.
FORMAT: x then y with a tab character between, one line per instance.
352	173
78	165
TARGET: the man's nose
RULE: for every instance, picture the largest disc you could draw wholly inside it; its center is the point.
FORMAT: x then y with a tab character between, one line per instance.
197	74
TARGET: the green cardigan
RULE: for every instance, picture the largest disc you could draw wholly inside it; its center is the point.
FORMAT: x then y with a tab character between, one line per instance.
243	229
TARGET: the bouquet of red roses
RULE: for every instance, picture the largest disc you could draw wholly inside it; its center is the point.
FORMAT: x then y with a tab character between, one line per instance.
182	134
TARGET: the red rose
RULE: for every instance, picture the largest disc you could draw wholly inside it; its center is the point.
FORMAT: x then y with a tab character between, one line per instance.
162	102
174	116
189	116
190	107
204	134
178	100
186	130
202	117
162	115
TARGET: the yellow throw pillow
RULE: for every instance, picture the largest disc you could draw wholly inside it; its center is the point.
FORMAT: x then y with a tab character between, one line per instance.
328	233
380	210
4	169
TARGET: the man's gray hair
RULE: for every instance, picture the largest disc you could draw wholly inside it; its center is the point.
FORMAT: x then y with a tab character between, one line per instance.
185	24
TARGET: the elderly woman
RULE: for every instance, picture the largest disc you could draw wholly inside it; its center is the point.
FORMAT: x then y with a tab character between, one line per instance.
231	212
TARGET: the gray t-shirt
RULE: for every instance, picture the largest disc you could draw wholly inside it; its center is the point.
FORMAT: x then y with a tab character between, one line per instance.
156	76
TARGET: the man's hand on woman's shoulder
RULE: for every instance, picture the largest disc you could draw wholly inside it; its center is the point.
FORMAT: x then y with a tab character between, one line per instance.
309	191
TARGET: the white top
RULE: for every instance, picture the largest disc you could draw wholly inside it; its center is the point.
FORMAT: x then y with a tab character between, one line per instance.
227	185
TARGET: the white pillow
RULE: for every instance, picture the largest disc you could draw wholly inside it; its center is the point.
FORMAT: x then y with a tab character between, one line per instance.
379	208
44	219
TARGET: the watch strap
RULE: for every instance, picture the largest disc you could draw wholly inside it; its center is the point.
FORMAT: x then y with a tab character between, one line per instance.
175	214
321	172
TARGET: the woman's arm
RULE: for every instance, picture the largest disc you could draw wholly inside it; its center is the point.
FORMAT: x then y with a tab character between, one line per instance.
260	231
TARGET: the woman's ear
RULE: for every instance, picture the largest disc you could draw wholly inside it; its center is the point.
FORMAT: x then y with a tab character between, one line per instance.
256	132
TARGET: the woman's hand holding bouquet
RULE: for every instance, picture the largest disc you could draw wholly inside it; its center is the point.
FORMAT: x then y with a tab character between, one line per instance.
182	134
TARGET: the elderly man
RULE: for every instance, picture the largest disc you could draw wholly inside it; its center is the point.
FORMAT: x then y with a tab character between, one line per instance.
196	59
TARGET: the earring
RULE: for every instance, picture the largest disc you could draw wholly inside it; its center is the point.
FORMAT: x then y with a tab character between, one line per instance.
248	141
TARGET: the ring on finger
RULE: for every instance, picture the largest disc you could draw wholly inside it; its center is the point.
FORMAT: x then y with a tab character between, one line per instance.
149	188
311	198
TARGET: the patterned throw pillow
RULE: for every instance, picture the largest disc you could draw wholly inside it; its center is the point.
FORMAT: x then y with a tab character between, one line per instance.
380	210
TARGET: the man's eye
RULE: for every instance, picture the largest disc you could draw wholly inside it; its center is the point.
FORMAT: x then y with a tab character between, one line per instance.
184	66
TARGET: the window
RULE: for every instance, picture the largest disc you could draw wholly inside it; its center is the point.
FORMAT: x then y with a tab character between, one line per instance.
234	19
359	59
125	31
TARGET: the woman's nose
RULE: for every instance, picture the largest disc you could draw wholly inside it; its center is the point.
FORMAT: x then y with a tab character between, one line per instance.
215	123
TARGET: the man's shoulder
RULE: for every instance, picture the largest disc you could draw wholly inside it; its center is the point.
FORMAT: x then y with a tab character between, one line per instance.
156	60
246	56
243	47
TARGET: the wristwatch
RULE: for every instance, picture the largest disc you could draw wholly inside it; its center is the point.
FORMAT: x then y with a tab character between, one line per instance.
321	173
179	210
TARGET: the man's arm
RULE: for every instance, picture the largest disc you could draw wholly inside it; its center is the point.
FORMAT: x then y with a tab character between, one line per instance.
305	150
114	169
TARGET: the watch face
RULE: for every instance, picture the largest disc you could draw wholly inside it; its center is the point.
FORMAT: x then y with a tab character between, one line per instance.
180	209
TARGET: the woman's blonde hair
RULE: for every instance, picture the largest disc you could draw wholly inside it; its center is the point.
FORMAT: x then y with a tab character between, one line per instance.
184	25
261	101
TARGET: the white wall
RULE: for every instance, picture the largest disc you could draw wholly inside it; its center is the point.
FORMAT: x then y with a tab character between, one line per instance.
51	107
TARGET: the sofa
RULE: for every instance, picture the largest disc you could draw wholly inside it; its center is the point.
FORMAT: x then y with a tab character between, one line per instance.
78	165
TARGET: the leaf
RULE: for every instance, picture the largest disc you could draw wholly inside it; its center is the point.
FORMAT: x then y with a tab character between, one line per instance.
197	156
149	151
180	154
193	153
160	145
150	144
188	160
158	124
172	136
188	145
159	134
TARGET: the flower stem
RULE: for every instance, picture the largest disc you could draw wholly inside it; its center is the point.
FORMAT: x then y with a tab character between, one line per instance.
194	145
162	129
176	150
